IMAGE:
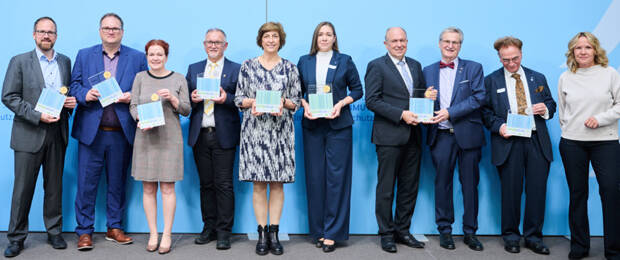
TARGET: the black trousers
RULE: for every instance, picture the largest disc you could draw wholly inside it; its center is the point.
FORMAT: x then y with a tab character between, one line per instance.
215	171
27	165
398	165
527	165
605	159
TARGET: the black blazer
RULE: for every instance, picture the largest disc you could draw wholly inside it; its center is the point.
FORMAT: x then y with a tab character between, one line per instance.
342	73
387	96
227	120
497	106
22	87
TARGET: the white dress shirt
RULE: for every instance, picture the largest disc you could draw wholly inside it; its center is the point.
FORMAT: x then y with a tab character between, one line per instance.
447	76
511	85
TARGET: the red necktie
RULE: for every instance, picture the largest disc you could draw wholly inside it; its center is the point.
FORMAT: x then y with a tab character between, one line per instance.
443	65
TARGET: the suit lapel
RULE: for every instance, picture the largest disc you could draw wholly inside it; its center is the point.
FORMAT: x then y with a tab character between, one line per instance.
122	63
36	68
531	85
458	78
390	64
329	79
225	71
500	79
62	70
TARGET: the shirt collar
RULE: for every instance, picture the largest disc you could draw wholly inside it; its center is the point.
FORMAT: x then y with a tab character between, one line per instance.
118	52
42	56
395	60
219	62
508	74
456	62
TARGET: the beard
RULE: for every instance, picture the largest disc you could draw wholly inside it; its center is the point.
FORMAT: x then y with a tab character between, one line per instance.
45	45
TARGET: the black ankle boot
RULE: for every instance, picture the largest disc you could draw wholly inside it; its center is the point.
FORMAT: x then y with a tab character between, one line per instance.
274	241
262	246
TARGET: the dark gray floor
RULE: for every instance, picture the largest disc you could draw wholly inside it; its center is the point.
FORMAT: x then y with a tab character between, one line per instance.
298	247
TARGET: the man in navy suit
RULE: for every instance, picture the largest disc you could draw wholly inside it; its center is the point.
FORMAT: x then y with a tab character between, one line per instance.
517	89
105	135
390	81
456	132
214	135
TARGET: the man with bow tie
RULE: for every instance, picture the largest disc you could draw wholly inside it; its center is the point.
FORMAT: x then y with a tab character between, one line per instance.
456	132
522	91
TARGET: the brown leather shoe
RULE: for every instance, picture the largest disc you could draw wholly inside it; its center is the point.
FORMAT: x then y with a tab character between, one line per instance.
85	242
118	236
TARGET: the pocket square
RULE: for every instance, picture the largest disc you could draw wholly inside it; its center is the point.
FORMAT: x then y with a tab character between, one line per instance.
539	89
501	90
331	66
464	81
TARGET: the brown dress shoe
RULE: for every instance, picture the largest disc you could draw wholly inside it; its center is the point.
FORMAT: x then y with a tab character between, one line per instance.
118	236
85	242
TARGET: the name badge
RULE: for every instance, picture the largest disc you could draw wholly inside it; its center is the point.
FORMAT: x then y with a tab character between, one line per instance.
501	90
331	66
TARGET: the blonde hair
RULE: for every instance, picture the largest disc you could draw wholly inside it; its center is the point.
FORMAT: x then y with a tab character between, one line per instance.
600	56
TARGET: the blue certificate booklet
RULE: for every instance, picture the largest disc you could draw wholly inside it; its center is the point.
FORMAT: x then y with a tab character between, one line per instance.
50	102
107	86
321	105
151	114
208	88
422	107
268	101
519	125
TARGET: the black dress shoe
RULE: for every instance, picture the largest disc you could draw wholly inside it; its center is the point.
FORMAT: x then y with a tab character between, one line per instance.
387	244
262	245
574	254
223	244
319	243
14	249
472	241
57	241
329	248
446	241
206	236
537	247
409	241
274	241
512	247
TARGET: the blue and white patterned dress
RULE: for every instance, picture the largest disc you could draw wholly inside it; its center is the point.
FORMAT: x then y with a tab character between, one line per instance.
267	149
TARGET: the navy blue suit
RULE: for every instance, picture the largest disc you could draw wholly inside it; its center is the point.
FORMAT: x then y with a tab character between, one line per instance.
464	142
328	149
96	146
517	158
214	150
398	144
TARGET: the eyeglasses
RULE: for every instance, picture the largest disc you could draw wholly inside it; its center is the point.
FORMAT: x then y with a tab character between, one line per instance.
455	43
111	29
218	43
514	59
43	33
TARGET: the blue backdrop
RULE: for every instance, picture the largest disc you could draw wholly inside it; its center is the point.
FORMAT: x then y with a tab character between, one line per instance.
544	26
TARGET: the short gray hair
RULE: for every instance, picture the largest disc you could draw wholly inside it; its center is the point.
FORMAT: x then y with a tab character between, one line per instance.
215	29
388	30
453	30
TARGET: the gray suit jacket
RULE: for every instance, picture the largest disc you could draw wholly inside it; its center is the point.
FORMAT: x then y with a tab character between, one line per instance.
22	87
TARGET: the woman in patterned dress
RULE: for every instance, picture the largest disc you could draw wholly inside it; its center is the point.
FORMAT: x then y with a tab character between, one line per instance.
267	149
158	151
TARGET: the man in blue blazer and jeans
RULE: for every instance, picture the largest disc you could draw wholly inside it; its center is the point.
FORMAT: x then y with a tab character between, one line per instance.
214	135
519	158
456	132
105	135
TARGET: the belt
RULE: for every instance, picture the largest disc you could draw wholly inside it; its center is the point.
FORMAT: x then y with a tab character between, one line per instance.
446	131
209	129
110	128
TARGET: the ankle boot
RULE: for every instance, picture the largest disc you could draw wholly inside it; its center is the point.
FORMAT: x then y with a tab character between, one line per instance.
262	246
274	241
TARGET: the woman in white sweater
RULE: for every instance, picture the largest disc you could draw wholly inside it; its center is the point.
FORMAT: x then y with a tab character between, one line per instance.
589	109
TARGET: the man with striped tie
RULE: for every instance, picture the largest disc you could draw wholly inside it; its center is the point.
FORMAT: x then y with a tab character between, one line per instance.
214	135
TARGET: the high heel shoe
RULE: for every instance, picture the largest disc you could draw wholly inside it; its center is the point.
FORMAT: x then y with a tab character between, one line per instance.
163	249
262	246
319	243
152	247
274	242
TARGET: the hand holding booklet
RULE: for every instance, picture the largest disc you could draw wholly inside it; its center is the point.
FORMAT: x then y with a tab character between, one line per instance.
151	114
50	102
268	101
107	86
423	108
207	88
519	125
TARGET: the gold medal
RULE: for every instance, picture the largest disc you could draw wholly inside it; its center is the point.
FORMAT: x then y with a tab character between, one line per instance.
107	75
326	89
154	97
64	90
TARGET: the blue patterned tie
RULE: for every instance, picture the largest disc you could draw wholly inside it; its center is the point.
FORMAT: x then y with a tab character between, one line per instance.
406	77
